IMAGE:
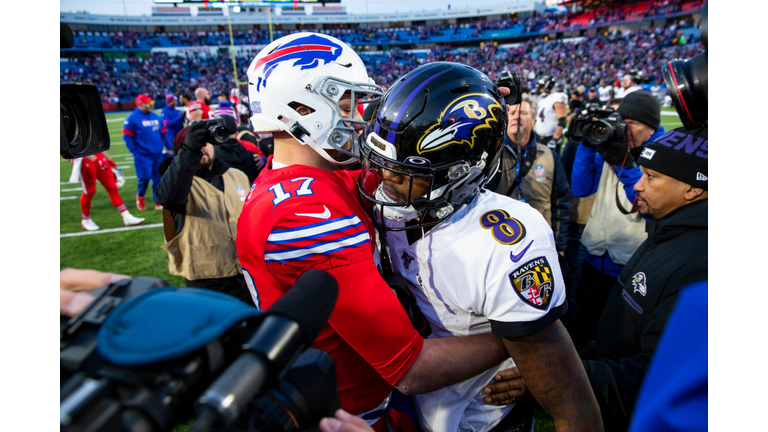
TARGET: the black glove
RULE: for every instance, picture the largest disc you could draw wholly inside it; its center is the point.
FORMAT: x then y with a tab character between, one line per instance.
616	153
197	137
555	142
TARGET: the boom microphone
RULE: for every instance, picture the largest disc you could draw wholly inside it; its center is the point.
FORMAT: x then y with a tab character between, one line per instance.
290	326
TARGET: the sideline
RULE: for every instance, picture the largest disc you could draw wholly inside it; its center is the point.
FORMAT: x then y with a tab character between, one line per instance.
104	231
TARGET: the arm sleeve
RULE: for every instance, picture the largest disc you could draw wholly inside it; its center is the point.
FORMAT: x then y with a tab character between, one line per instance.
616	382
528	297
628	178
561	205
166	138
371	320
587	168
174	186
129	134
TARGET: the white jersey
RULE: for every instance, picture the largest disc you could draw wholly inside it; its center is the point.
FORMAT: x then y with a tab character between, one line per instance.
491	265
546	118
622	92
604	94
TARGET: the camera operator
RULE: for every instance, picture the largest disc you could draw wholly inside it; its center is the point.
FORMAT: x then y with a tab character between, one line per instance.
551	116
204	196
614	230
234	153
535	177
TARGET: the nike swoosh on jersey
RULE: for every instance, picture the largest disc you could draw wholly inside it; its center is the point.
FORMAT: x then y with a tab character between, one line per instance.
324	215
516	258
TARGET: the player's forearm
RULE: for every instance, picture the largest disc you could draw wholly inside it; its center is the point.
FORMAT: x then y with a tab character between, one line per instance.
556	377
558	132
450	360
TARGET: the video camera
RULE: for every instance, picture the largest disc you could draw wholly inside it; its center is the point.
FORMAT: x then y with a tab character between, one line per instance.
595	126
147	356
82	122
513	83
686	82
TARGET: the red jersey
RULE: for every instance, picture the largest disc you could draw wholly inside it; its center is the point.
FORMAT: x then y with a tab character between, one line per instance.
206	111
299	218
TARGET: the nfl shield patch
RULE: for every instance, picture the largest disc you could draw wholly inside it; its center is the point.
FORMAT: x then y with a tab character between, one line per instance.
533	282
538	170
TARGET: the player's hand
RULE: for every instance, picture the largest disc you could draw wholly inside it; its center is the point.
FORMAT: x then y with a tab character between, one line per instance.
112	163
259	161
74	287
197	136
556	142
508	388
344	422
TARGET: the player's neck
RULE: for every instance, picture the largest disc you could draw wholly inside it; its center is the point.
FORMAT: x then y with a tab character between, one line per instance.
288	151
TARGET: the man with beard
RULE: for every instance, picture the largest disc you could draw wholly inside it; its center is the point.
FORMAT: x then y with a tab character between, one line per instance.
203	197
204	98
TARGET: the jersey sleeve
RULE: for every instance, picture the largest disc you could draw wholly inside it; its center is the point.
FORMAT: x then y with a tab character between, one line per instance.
129	133
320	232
371	320
529	296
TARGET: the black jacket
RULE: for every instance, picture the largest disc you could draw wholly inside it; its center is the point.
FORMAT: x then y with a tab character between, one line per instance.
178	172
673	256
236	156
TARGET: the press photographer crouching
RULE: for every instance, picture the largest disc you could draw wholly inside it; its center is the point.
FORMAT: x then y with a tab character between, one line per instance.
204	197
605	165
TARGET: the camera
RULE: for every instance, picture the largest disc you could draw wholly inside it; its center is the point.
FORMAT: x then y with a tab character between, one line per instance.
513	83
218	129
594	126
82	123
147	356
686	82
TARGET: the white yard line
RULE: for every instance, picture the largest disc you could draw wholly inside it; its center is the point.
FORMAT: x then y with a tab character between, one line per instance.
68	198
111	230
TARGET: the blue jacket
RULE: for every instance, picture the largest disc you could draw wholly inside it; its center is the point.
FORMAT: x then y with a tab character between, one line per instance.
585	177
144	134
172	120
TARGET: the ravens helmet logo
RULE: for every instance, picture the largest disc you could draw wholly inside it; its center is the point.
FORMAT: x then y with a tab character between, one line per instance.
460	122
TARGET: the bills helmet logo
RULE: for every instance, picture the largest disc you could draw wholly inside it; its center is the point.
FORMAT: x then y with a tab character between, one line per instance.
306	52
460	122
639	282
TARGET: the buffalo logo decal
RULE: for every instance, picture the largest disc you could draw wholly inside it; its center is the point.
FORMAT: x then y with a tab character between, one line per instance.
306	52
460	122
638	281
533	282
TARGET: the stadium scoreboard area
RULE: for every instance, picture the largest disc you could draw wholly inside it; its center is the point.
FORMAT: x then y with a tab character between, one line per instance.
225	3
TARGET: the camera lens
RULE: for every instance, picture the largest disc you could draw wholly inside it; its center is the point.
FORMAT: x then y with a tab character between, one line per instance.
599	133
220	134
686	81
74	121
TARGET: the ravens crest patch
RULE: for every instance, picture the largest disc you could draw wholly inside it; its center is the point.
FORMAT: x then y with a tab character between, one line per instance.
534	283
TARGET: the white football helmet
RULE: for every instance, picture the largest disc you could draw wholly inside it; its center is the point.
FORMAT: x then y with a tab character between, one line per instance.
119	177
314	70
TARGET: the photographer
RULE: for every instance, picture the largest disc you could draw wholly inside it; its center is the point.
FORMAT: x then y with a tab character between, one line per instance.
614	229
232	151
204	196
536	177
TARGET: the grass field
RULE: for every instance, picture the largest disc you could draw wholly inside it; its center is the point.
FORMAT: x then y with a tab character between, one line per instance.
136	251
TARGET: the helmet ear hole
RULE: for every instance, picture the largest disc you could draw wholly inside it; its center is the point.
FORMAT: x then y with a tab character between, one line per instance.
303	110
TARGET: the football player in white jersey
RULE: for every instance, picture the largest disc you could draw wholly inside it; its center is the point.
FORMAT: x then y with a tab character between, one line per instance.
472	261
604	92
629	84
551	118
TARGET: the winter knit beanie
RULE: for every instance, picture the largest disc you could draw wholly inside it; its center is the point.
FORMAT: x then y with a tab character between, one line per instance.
643	107
681	154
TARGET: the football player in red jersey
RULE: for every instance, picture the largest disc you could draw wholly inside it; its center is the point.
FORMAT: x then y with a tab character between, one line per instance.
99	167
303	212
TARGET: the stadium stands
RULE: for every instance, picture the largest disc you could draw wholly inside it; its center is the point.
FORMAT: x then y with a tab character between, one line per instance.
490	45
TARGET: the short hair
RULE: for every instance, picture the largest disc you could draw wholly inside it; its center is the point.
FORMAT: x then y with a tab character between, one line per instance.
186	96
532	102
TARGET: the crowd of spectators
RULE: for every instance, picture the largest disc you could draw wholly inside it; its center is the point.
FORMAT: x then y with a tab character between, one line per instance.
536	23
581	62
